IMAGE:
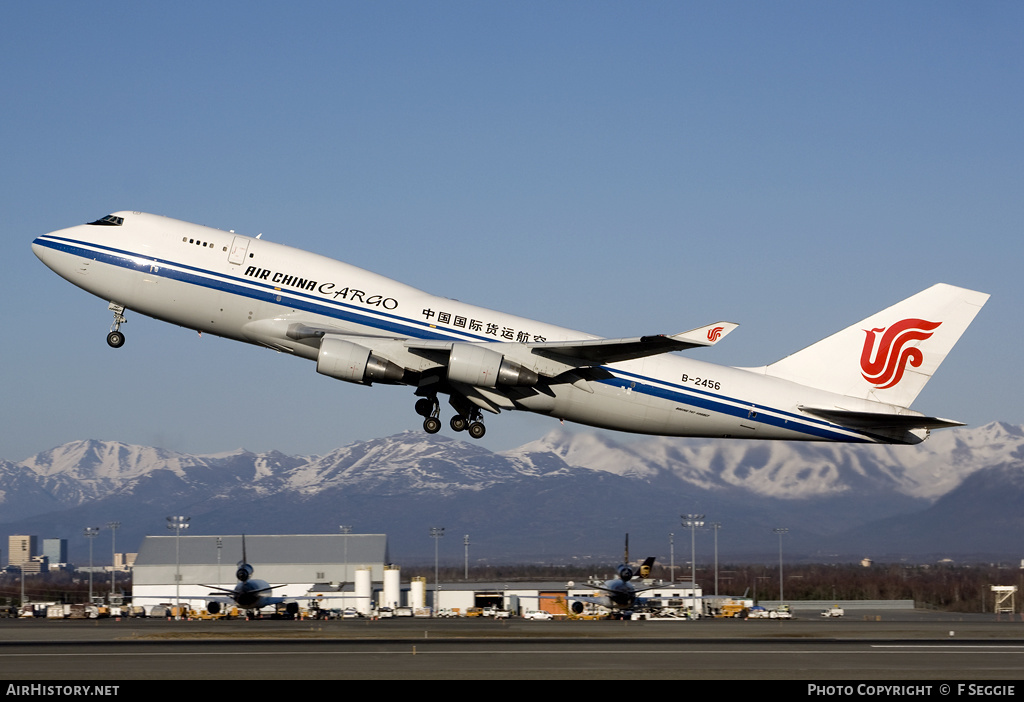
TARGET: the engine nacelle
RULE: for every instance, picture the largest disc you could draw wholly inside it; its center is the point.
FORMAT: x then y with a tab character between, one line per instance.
213	607
576	607
244	572
625	573
486	368
353	363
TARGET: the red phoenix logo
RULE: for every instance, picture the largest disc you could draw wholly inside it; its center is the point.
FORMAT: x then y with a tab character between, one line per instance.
715	334
884	361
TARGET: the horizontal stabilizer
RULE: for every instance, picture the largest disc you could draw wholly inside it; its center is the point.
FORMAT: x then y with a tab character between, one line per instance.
881	421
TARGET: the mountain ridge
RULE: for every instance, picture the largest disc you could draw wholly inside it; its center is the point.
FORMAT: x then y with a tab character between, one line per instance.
571	492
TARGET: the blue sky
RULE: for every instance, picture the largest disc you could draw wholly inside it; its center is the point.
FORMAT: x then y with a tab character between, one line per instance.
619	168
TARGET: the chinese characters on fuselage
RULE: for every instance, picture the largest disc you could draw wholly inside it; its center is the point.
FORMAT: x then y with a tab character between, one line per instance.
476	325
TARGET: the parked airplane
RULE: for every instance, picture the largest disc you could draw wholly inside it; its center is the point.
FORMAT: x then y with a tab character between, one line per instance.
856	385
250	593
621	594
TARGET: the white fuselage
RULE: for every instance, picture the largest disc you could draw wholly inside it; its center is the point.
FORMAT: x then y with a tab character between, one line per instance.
257	291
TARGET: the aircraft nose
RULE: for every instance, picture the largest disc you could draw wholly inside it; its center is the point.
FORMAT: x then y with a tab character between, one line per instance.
54	256
40	250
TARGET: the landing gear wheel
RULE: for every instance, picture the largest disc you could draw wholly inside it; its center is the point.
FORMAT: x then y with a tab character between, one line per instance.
477	430
458	423
431	425
115	339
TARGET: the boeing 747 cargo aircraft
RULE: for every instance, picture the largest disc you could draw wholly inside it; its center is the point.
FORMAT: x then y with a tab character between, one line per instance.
856	385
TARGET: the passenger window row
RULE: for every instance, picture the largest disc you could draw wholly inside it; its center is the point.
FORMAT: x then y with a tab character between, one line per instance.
204	244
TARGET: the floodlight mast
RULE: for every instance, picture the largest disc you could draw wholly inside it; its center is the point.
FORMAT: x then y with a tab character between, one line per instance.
693	522
177	523
780	531
436	533
90	533
113	526
716	526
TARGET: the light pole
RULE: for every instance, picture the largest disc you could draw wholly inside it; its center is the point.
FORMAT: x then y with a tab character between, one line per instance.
672	558
693	522
465	542
90	533
345	529
113	526
177	523
716	526
780	531
436	533
220	546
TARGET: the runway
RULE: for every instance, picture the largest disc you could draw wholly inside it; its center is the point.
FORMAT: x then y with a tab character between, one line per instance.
907	646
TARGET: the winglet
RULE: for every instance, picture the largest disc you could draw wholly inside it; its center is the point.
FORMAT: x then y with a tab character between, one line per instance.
705	336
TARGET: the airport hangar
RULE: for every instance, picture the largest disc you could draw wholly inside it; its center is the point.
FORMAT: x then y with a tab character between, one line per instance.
346	570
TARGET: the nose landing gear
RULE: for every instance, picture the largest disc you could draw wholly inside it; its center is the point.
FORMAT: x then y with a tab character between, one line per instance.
115	339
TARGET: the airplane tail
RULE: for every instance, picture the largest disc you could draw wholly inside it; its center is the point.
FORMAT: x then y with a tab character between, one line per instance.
889	356
645	568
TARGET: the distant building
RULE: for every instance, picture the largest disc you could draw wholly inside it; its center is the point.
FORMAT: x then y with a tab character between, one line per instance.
56	552
124	561
21	548
38	564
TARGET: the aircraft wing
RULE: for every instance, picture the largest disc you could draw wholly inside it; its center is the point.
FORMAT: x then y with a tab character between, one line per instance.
590	351
601	351
388	358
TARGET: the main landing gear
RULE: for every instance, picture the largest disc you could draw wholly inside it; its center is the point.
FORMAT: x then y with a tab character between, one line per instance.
115	339
430	409
472	423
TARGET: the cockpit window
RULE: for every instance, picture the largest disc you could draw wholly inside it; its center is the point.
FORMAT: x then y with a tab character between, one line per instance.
109	221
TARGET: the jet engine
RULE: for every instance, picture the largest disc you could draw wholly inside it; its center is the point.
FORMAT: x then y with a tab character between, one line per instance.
353	363
625	573
244	572
576	607
213	607
486	368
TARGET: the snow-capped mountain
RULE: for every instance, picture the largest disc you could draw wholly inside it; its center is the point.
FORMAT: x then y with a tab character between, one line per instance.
795	470
562	495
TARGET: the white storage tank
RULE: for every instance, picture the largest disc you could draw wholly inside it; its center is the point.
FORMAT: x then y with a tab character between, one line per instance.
392	596
418	593
364	590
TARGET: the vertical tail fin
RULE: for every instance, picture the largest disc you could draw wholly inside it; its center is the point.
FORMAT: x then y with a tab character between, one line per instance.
889	356
644	571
